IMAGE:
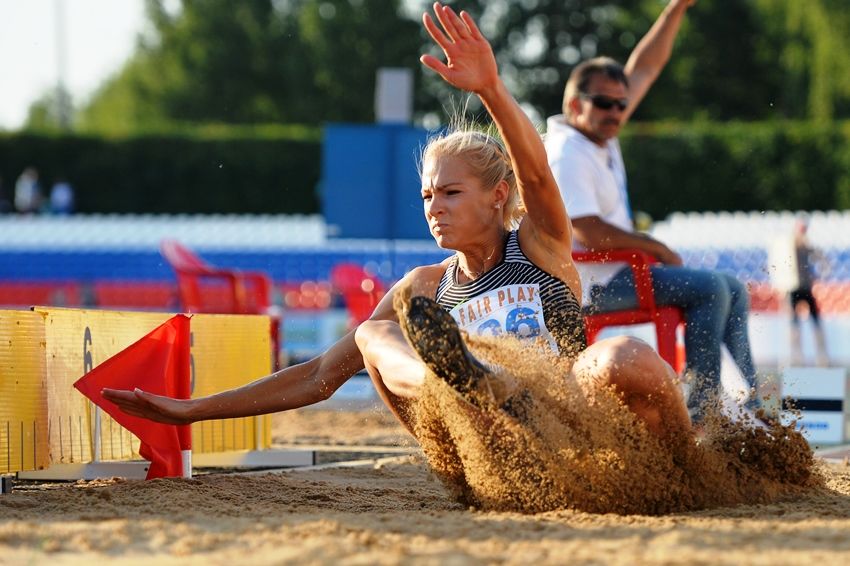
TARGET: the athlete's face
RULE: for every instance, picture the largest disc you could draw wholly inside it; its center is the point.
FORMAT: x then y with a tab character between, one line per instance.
599	124
460	212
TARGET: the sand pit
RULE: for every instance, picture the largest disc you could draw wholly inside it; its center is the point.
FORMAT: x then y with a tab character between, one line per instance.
391	512
366	425
395	510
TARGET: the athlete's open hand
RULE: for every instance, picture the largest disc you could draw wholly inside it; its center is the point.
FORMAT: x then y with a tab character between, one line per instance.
153	407
470	64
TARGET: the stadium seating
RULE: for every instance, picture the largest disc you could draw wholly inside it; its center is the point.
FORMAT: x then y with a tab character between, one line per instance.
135	295
204	288
19	294
112	261
360	290
306	295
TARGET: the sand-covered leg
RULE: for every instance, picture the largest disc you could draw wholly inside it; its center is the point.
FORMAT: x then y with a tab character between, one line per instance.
439	446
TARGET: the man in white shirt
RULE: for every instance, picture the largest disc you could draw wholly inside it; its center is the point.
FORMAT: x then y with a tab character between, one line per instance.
585	157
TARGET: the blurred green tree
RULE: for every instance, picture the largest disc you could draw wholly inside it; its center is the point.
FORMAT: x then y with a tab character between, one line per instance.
309	61
346	42
51	112
734	59
722	66
812	48
538	42
295	61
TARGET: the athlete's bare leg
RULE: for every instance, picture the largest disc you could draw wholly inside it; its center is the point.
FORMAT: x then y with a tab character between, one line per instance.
397	357
395	368
648	385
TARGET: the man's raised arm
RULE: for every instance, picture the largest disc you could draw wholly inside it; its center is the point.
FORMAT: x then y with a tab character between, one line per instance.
653	52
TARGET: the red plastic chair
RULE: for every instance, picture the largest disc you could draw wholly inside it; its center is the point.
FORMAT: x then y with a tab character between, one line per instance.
134	295
48	293
360	290
665	318
203	288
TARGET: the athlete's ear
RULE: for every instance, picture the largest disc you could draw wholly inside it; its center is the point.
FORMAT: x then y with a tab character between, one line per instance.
500	194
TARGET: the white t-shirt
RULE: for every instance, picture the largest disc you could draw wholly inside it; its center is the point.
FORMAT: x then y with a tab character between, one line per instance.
592	180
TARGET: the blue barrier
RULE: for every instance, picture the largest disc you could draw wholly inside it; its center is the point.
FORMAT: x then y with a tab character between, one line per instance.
370	171
388	260
291	265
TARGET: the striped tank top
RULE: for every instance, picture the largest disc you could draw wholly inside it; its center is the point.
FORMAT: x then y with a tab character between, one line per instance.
515	297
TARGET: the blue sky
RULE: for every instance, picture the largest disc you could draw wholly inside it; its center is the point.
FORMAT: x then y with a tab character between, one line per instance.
99	36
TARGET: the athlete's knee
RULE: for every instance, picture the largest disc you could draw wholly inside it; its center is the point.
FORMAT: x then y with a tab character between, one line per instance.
619	361
368	330
638	368
600	356
624	351
362	334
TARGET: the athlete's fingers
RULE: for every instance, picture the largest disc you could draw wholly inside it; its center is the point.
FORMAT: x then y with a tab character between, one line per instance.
458	28
435	32
435	65
443	18
474	32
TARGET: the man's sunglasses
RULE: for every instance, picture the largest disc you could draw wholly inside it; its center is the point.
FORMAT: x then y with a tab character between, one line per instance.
606	102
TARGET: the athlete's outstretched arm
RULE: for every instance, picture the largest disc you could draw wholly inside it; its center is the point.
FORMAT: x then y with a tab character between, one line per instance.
471	66
289	388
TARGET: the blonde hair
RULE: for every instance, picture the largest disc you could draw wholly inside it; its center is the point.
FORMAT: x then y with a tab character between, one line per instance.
488	160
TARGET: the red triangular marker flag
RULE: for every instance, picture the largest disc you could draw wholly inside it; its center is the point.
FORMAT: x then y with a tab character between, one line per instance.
158	363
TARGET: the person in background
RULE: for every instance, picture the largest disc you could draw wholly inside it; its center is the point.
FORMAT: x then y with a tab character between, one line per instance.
584	154
805	259
28	197
61	197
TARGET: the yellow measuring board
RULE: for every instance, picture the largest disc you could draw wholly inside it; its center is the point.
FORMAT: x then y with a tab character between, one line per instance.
53	347
23	403
228	351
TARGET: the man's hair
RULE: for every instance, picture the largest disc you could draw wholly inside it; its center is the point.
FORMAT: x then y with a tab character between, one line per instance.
586	70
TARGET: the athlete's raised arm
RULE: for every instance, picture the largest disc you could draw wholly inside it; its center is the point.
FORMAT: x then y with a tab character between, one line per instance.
471	66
